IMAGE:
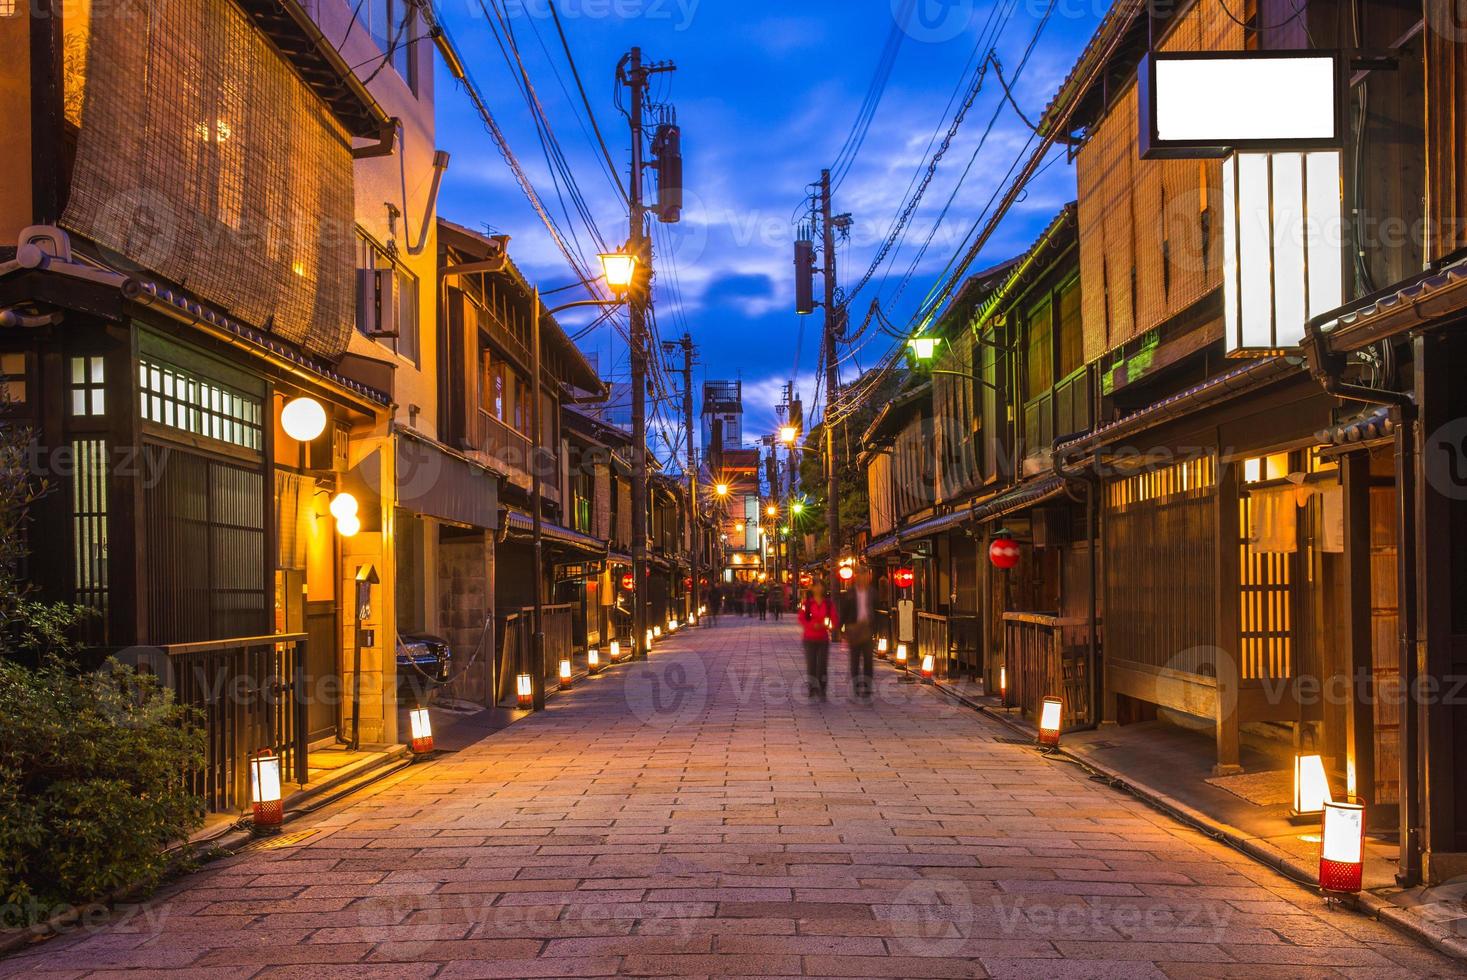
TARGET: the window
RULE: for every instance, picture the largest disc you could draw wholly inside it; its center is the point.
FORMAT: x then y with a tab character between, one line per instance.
89	531
1040	375
394	28
1069	340
174	398
12	379
387	300
86	382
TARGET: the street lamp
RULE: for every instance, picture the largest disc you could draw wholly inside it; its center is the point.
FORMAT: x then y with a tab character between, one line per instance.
721	489
771	511
620	269
1051	711
923	348
788	434
422	727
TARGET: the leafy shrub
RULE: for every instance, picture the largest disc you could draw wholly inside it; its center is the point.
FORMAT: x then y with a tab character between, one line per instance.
91	784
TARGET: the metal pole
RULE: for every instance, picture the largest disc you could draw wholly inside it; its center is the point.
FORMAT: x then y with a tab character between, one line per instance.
832	380
537	623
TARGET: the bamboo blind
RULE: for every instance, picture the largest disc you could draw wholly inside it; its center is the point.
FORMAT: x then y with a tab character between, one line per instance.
1150	230
204	158
878	492
957	465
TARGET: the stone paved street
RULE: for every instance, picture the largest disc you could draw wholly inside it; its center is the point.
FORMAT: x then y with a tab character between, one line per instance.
696	816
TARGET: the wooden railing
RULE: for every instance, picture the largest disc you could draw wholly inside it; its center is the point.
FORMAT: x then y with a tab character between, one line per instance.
249	694
516	644
932	638
493	439
1048	655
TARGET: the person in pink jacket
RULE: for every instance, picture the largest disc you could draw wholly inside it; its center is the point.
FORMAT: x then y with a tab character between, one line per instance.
817	618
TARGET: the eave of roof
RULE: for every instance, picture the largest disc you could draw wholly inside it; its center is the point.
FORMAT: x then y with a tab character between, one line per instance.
1430	296
291	29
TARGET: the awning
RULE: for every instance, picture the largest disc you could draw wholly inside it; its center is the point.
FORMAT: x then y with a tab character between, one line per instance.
1430	296
519	526
1254	374
883	546
433	481
1019	498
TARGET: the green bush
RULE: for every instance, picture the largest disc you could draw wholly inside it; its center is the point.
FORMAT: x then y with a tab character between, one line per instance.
91	784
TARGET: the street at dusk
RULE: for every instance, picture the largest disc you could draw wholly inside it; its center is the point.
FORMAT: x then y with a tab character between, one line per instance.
696	817
859	488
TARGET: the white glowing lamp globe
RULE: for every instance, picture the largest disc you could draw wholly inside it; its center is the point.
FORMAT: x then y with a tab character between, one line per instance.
348	526
303	419
343	505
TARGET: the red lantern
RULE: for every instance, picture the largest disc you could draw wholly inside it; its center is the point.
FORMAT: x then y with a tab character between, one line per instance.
846	573
1004	551
688	582
904	577
627	581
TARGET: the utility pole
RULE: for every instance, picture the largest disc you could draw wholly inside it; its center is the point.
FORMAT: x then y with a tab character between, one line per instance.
686	346
832	377
634	74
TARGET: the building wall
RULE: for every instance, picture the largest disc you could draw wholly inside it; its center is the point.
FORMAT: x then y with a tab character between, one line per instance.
1150	230
380	183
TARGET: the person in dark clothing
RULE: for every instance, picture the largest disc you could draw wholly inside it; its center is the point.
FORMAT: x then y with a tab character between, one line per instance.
761	602
857	626
818	618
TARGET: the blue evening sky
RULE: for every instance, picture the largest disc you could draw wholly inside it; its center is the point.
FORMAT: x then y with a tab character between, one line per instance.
766	95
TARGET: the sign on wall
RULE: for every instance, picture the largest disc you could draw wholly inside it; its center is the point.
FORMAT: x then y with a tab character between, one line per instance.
1208	104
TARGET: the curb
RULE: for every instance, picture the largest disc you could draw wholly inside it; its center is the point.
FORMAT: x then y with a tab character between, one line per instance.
1282	863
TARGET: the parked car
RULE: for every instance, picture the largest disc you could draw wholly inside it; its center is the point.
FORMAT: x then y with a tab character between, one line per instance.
422	663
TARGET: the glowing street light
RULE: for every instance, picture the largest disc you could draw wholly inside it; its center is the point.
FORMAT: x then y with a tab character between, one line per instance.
923	348
771	511
788	434
721	489
620	269
797	508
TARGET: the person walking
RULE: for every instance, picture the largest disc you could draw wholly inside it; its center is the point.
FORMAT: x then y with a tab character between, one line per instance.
761	602
715	604
857	626
776	601
818	618
748	600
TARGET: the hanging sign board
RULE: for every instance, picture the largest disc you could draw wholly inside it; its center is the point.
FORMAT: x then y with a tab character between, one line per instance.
1208	103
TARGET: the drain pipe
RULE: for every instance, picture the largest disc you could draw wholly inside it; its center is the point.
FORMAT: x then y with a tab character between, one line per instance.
1327	366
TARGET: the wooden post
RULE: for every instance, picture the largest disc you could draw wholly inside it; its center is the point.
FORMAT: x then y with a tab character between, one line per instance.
1228	668
1359	719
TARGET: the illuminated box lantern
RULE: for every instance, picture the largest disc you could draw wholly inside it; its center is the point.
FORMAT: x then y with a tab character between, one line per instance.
1277	121
565	674
1003	684
615	650
593	661
1342	848
1282	221
524	692
650	635
901	656
265	796
1051	714
422	729
881	648
672	626
928	666
1311	787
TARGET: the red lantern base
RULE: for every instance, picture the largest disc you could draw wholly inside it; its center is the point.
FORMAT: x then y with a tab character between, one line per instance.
422	746
883	654
269	815
526	702
1048	739
1338	876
